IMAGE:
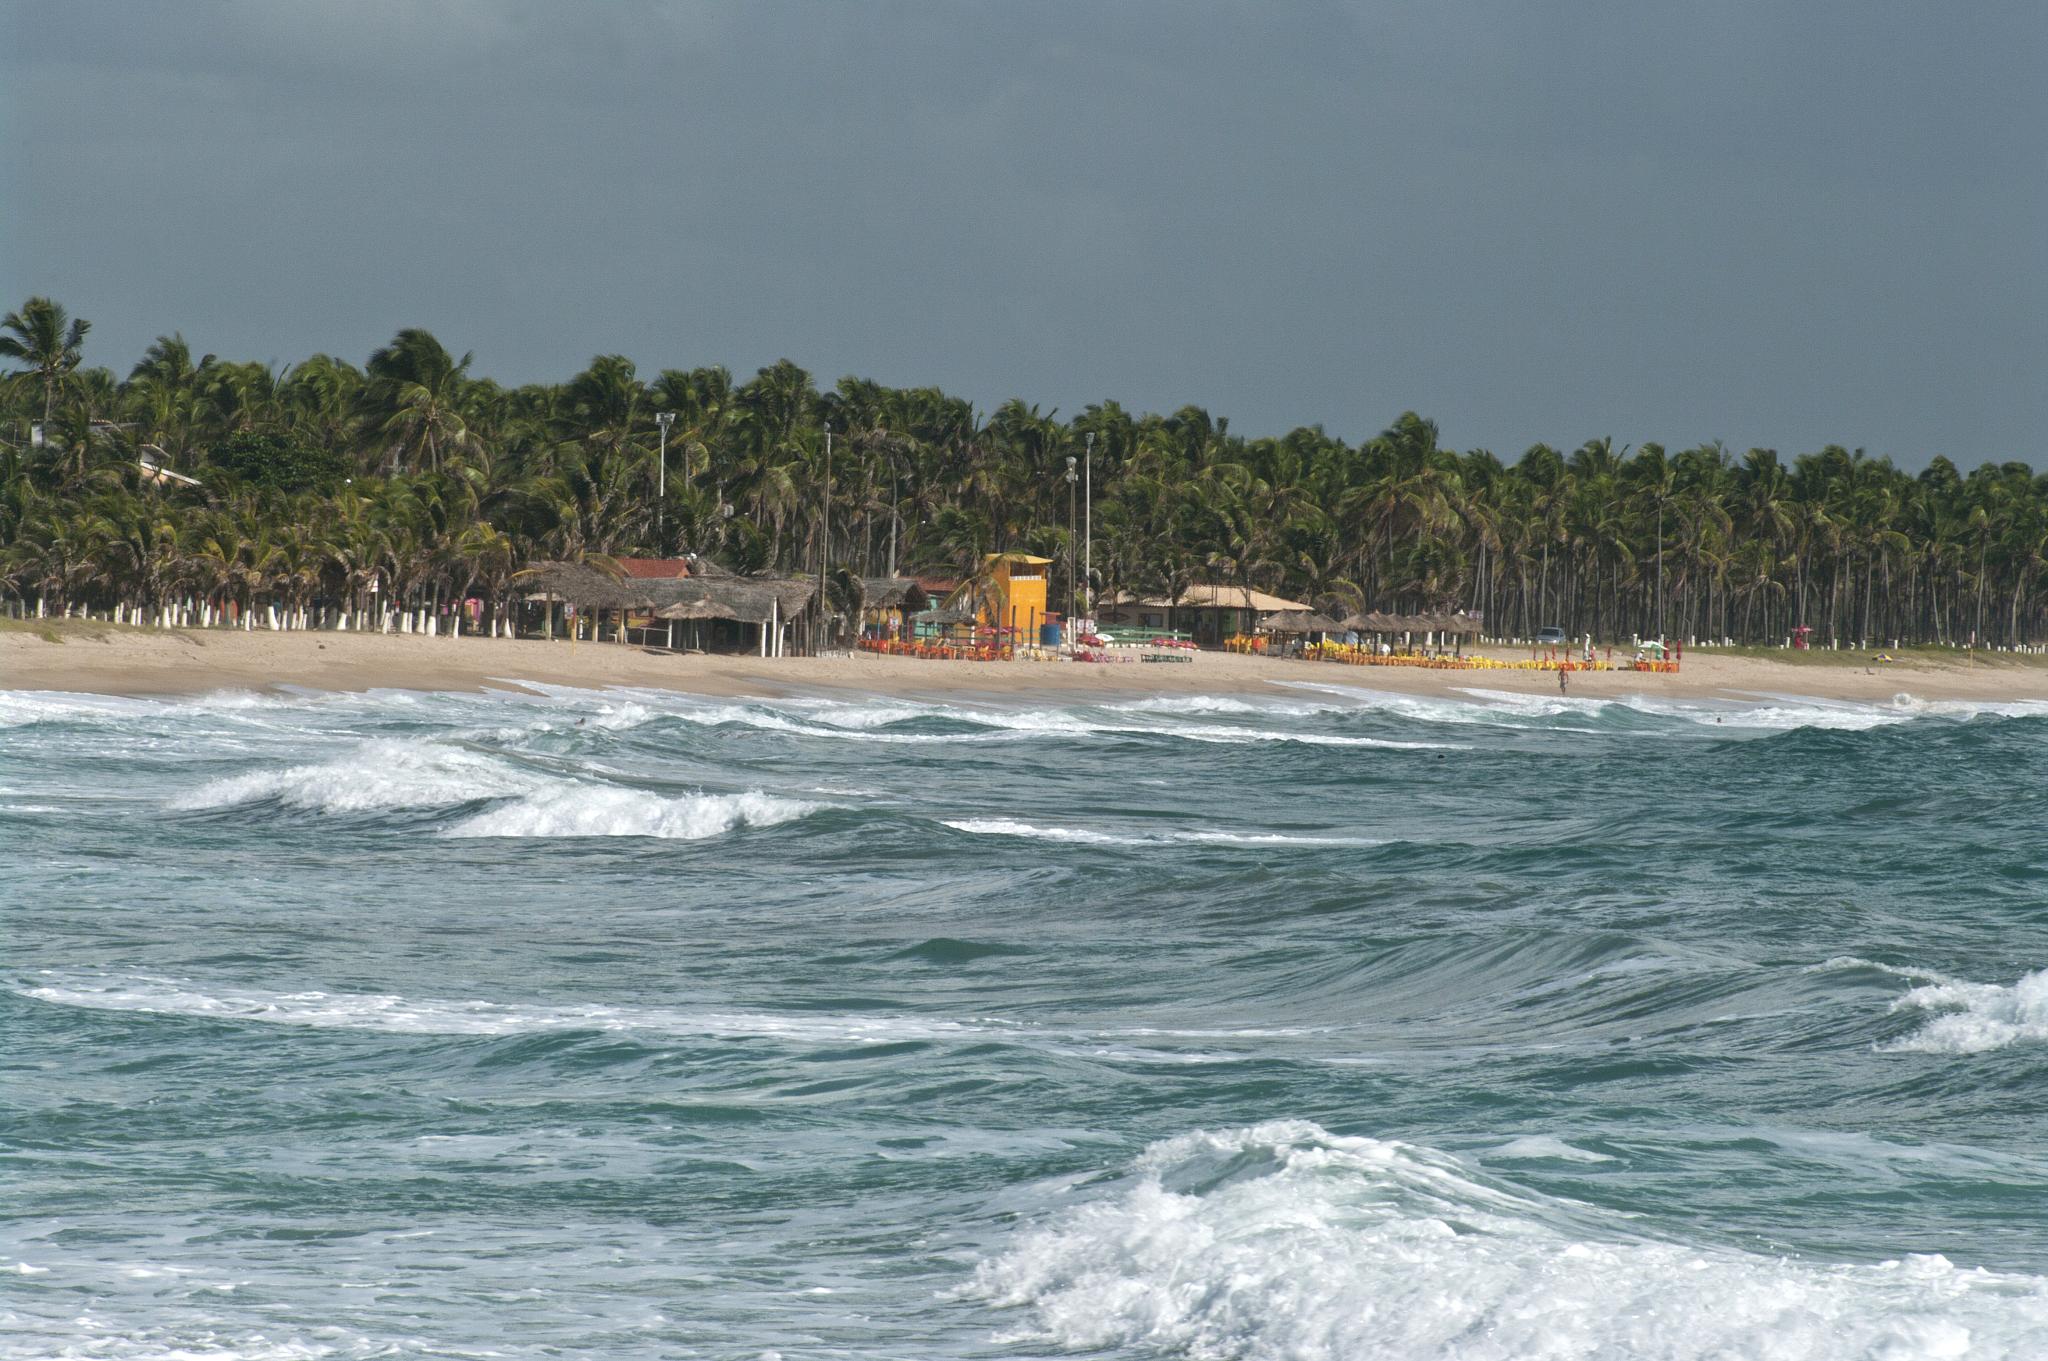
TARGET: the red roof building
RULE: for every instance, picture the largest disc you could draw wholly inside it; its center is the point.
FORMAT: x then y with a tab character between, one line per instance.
654	569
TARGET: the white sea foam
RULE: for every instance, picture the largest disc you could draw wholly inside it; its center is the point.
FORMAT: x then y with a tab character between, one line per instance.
1488	708
871	721
377	774
840	714
19	708
1081	724
1975	708
1520	705
1769	712
1092	837
850	727
1785	711
1222	704
1973	1017
435	1016
575	809
624	707
1781	713
868	723
393	1014
22	707
1858	962
1513	708
1012	827
1311	739
1546	1148
1284	1241
87	1339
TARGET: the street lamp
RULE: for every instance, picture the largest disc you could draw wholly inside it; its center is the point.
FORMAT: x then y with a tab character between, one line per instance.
1073	480
895	508
664	419
1088	532
824	538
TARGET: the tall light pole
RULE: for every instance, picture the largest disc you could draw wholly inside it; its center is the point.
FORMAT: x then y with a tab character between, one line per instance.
824	539
664	419
1088	531
895	508
1073	478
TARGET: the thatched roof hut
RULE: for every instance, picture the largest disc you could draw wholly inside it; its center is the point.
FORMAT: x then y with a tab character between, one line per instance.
749	600
892	593
694	609
1299	621
580	584
703	595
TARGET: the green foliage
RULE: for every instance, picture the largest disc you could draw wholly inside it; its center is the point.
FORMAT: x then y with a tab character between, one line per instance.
279	462
458	482
47	343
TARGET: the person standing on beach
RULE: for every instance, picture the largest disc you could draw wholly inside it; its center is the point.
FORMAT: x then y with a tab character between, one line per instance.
1564	680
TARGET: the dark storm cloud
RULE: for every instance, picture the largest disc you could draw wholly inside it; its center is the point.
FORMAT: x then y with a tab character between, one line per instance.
1770	224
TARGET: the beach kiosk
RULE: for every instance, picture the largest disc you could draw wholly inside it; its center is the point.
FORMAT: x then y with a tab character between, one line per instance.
1013	593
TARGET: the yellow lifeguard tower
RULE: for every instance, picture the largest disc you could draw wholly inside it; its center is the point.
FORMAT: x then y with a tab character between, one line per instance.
1013	593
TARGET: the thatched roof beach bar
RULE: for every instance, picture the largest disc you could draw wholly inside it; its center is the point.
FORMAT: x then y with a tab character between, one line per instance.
1208	612
761	609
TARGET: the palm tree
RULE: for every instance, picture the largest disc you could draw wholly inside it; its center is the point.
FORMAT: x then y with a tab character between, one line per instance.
42	336
415	394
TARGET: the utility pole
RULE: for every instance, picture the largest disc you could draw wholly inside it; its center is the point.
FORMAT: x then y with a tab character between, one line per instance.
1660	569
1073	478
895	509
824	540
664	419
1088	531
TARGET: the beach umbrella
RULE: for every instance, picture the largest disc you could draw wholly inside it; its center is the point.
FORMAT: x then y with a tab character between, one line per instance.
1299	621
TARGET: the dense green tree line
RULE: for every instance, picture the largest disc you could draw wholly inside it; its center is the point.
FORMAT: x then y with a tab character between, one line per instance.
411	473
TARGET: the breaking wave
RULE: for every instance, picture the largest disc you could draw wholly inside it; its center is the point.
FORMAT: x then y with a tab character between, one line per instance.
1970	1018
1546	1148
1765	712
1282	1240
378	774
878	722
1089	836
576	809
21	708
431	1016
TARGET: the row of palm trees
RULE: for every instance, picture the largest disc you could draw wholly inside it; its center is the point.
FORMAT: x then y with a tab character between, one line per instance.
441	484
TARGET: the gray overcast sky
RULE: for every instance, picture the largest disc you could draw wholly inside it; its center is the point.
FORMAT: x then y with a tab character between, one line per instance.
1771	224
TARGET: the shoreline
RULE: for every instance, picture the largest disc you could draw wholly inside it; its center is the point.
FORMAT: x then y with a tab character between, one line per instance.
145	662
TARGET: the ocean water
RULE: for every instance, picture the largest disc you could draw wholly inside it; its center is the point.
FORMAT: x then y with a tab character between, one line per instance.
1333	1025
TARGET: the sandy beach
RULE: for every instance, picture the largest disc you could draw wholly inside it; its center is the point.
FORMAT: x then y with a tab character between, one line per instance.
103	659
